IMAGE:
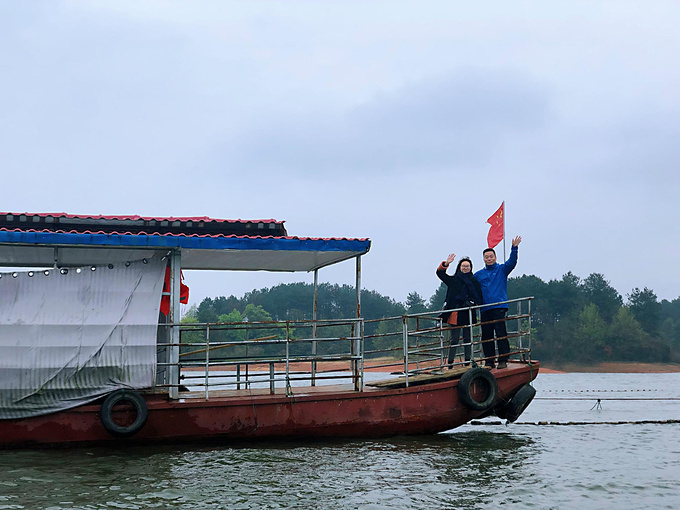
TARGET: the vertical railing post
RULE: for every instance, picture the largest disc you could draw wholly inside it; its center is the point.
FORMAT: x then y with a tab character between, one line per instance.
247	384
529	332
472	338
288	389
314	319
519	327
404	330
207	361
358	286
272	386
441	343
173	380
362	346
356	348
417	350
238	365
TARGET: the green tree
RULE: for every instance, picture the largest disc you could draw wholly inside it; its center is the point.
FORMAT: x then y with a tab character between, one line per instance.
209	309
256	313
598	291
552	341
565	296
590	335
229	333
389	340
670	309
192	312
626	336
532	286
670	333
438	299
191	336
646	309
415	303
670	322
293	301
376	306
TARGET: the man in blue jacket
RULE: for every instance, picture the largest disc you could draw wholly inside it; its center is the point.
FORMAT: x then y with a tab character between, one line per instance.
494	281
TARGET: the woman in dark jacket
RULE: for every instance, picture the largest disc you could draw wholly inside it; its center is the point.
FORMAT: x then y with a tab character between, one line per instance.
462	290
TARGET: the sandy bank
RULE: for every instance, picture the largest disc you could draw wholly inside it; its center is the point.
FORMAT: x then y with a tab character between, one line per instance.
612	368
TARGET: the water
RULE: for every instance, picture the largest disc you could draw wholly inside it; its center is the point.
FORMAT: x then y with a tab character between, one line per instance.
623	466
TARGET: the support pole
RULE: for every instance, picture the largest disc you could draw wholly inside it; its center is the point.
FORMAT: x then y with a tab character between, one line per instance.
358	365
173	359
314	317
358	286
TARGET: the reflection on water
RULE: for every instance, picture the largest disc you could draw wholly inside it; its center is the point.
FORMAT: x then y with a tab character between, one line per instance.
521	466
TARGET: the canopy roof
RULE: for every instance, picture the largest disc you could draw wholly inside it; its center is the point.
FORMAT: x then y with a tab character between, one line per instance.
71	240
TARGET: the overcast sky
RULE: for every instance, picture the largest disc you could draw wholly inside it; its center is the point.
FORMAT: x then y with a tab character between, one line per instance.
404	122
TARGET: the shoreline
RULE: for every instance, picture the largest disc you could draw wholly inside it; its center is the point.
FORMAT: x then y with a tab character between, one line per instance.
611	367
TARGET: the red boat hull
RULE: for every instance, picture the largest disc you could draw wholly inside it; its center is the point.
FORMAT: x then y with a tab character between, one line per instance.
249	414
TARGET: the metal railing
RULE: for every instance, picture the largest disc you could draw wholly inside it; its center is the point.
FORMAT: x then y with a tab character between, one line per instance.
272	354
281	354
420	343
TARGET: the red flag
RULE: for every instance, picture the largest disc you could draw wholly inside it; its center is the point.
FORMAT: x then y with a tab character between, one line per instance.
496	231
183	292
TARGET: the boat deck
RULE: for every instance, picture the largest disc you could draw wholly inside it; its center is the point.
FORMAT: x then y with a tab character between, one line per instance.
373	386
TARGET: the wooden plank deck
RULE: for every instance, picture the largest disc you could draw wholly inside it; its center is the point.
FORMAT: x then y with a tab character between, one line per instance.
418	379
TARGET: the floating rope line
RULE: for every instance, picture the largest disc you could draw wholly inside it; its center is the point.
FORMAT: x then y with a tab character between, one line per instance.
537	423
595	391
606	398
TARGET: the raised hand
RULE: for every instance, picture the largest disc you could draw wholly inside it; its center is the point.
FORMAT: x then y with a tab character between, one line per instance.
517	240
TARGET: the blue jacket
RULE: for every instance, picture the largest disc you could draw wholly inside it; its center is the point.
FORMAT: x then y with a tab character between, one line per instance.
494	281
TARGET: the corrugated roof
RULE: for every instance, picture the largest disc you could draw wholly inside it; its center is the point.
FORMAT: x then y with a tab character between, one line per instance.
134	224
134	217
234	245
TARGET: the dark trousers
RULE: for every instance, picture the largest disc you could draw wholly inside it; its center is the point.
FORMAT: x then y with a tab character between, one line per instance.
455	337
495	314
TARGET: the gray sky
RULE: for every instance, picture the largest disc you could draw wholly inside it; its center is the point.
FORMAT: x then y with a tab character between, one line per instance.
405	122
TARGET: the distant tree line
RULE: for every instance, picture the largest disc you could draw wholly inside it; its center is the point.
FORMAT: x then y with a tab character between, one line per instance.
294	302
587	320
572	319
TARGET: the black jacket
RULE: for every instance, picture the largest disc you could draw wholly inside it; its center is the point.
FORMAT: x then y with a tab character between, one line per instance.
462	289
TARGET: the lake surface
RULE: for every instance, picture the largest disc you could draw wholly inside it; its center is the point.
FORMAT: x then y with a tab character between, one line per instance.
524	465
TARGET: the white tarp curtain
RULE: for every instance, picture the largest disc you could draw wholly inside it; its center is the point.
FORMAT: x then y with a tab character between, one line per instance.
67	339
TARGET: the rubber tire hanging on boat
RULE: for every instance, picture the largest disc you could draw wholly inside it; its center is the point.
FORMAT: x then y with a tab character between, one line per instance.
465	387
107	413
518	403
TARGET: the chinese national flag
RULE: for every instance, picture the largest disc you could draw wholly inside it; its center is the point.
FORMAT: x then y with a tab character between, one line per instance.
495	234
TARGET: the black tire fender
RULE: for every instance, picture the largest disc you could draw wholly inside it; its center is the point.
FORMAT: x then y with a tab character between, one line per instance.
471	377
107	413
517	404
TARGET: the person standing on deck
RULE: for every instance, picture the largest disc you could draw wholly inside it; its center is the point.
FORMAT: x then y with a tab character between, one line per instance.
462	289
494	281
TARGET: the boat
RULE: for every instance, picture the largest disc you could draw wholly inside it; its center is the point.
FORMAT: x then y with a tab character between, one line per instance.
94	350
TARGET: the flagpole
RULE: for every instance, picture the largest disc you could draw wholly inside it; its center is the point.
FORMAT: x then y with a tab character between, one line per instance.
505	211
